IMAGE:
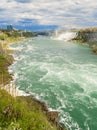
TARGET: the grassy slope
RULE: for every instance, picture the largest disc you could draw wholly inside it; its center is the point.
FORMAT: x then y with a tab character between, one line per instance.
5	58
5	77
21	113
5	61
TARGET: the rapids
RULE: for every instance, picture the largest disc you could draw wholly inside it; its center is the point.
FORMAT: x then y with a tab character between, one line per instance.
62	74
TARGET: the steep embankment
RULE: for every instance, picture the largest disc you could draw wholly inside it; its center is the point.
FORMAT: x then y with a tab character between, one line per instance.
88	37
22	113
6	59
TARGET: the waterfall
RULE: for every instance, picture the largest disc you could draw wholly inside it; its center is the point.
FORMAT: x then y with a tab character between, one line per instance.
66	36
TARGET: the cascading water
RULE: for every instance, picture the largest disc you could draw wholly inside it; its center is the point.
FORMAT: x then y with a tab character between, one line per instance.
66	36
62	74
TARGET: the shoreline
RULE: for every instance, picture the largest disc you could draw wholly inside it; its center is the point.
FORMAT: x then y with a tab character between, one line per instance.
93	48
52	116
87	37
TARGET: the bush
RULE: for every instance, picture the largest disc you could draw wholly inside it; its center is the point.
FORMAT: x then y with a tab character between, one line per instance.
3	36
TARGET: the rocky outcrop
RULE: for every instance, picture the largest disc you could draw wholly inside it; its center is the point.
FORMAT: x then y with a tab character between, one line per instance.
51	115
88	37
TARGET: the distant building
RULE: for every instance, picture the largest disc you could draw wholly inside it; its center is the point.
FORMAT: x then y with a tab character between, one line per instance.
9	27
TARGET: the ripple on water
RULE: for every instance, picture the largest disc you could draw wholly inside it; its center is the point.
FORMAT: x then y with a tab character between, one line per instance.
62	74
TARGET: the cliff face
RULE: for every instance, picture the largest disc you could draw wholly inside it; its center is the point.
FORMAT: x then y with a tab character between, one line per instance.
88	37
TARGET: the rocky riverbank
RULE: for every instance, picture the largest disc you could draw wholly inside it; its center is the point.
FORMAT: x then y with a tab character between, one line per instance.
88	36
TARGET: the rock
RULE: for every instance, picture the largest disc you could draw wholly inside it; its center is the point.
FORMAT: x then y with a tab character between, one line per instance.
52	115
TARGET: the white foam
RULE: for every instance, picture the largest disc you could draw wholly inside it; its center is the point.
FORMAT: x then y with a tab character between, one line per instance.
66	36
67	120
13	90
16	48
75	76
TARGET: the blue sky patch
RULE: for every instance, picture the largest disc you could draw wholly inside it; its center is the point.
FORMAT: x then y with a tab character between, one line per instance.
48	13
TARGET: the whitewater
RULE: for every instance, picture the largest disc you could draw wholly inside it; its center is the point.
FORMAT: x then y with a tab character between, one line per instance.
62	74
66	36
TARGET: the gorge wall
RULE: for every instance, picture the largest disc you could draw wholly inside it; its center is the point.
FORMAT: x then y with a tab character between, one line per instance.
88	37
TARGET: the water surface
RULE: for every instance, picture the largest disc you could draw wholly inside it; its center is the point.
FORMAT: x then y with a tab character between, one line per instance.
62	74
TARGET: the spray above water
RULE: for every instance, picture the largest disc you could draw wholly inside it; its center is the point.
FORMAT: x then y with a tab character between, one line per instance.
66	36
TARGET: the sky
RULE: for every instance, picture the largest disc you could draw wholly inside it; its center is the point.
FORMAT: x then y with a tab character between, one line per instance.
48	14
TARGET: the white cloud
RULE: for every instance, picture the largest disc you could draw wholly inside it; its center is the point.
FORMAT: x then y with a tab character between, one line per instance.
69	13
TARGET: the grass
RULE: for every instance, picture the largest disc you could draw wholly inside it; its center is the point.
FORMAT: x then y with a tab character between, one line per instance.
22	113
5	58
5	77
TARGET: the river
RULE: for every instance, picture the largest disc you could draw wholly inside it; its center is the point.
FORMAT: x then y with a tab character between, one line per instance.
62	74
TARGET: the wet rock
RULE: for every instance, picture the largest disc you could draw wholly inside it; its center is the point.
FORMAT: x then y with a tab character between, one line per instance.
52	117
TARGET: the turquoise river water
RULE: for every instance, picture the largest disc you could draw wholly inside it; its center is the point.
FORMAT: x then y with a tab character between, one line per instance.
62	74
